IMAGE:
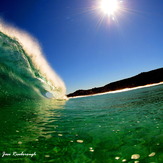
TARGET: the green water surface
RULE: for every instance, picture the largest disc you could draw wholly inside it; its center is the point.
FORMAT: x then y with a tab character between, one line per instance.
112	128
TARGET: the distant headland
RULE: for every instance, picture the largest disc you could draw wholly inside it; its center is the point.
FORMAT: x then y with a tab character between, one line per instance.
142	79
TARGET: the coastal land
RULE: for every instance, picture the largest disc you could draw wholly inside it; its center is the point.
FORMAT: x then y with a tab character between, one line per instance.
142	79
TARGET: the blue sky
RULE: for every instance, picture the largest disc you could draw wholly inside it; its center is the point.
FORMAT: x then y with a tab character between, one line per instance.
85	51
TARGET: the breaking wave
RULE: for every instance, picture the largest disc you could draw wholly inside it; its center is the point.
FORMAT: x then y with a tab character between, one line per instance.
24	72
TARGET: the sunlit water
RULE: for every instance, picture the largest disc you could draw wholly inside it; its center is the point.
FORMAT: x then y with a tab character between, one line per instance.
111	128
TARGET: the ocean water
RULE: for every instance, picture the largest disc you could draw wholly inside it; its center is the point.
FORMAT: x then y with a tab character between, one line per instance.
110	128
24	71
38	124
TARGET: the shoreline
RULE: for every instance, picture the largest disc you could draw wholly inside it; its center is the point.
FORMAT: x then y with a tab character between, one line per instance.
118	91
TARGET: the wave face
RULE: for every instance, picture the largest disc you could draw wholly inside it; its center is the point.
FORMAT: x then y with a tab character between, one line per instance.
24	72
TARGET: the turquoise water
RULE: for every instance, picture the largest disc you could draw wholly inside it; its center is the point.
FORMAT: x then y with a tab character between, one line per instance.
111	128
24	74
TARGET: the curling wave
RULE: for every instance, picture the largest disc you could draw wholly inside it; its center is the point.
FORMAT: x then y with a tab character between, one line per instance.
24	72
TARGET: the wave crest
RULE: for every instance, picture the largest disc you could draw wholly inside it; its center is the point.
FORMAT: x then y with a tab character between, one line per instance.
22	54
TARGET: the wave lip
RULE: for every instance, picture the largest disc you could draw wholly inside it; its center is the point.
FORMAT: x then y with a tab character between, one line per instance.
23	69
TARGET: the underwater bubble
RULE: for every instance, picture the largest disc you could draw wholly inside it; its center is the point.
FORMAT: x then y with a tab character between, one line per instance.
19	142
135	156
152	154
117	158
91	149
80	141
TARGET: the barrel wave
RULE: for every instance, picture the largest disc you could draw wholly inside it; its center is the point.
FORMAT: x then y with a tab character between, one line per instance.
24	72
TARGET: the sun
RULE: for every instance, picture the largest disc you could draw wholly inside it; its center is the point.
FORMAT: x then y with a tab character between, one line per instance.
109	7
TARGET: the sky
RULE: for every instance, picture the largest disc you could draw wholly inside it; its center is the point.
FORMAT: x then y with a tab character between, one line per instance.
86	47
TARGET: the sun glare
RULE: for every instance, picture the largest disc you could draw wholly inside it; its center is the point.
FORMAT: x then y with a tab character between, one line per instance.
109	7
